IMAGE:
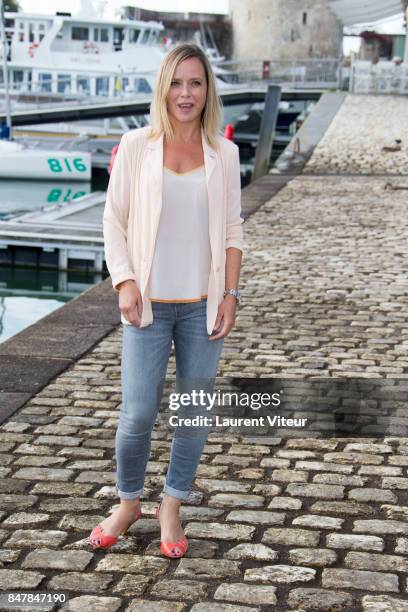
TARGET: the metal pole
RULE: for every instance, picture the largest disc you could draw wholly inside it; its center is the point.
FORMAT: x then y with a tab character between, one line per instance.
406	36
266	132
5	72
340	66
351	79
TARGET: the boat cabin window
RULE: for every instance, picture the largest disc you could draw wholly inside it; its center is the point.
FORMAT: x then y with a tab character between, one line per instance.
44	81
83	85
145	37
79	33
101	35
9	25
142	86
118	36
18	79
64	83
102	86
133	35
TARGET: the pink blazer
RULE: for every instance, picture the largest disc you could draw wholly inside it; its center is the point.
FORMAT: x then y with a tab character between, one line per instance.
133	205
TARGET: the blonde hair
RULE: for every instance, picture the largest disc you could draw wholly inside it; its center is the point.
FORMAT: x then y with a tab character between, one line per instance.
211	115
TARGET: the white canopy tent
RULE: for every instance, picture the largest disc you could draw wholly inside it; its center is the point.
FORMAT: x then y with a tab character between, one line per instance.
352	12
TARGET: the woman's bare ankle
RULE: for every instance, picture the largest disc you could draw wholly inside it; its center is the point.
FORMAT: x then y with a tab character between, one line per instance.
171	504
130	505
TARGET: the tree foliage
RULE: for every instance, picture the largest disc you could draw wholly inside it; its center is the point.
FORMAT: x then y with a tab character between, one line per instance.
12	6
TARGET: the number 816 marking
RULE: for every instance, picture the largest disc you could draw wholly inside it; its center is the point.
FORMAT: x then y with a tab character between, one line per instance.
56	166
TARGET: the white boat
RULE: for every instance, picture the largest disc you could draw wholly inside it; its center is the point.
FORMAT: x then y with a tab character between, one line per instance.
19	197
63	56
21	162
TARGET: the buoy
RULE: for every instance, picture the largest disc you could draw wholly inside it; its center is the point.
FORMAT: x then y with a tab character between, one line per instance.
229	131
112	157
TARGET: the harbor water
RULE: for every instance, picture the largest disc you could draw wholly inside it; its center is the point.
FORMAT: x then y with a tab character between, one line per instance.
28	294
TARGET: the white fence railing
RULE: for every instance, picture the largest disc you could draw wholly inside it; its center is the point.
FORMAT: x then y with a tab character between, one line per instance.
297	73
384	77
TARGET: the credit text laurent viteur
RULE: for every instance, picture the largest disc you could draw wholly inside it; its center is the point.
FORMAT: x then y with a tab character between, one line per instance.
221	421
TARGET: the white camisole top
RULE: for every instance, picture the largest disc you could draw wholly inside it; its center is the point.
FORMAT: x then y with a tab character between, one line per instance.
182	256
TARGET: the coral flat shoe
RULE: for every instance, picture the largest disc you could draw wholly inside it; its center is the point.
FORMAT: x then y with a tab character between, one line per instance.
105	540
174	550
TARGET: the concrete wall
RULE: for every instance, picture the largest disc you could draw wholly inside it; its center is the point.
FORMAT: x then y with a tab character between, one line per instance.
284	30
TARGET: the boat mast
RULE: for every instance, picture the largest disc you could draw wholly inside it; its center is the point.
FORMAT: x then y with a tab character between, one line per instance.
5	72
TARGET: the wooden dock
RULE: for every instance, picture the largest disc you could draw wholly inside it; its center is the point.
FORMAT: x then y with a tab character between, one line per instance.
67	236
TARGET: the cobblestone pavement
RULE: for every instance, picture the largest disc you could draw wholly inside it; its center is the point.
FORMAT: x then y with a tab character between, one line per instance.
325	282
285	523
362	127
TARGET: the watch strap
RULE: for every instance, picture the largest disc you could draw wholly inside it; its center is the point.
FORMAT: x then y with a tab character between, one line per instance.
233	292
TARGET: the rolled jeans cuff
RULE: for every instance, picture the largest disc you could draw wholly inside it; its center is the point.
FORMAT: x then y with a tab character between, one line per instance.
125	495
175	492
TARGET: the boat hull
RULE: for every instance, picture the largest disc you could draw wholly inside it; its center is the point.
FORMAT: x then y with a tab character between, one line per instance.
46	165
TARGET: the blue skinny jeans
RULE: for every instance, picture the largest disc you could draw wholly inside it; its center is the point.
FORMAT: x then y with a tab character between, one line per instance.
145	356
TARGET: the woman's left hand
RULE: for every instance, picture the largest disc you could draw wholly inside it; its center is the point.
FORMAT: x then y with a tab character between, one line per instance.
225	320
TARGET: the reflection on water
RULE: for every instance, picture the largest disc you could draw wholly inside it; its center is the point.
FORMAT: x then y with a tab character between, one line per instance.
27	295
16	313
18	197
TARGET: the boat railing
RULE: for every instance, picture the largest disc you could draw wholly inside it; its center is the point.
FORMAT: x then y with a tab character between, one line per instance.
60	90
94	88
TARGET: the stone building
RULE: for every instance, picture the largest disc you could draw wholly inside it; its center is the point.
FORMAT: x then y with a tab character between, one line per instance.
284	30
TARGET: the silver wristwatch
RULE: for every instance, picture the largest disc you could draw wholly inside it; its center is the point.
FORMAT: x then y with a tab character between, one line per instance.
235	293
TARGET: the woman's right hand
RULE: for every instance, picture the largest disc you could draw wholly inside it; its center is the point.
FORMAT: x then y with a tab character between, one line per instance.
130	302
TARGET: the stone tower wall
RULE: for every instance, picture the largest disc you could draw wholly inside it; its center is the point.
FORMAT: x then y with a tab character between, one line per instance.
284	30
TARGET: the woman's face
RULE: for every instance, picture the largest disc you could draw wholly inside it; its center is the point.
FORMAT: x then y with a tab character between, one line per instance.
188	92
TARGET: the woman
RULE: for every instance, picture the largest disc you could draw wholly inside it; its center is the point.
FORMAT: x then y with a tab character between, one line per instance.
173	242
